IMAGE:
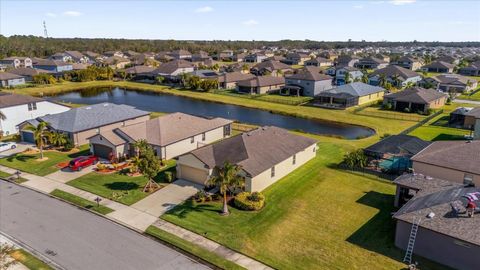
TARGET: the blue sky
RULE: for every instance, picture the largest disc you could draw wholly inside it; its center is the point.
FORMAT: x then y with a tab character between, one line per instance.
392	20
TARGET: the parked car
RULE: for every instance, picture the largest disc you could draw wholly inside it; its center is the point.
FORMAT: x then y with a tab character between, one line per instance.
4	146
77	164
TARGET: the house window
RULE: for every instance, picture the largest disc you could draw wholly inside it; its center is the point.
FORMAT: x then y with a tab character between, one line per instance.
203	136
294	159
32	106
468	179
226	130
272	172
192	139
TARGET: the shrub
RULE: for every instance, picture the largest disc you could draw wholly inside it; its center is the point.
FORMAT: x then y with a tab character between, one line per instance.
407	110
169	176
68	146
101	167
200	196
249	201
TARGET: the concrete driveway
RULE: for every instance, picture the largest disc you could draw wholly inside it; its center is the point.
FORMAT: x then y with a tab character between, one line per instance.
21	146
168	197
65	175
77	239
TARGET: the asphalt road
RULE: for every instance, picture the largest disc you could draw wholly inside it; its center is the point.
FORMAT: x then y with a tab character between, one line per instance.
77	239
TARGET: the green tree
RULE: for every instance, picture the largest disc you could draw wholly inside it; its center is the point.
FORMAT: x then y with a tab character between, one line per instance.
227	178
194	82
347	77
149	164
160	79
365	78
57	139
355	159
40	134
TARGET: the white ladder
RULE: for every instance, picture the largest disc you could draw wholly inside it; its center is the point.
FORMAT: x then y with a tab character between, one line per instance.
411	241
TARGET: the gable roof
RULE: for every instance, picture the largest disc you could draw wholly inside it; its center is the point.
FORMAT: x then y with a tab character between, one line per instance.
48	62
272	65
356	89
139	69
475	112
234	77
92	116
171	128
309	73
9	100
393	70
439	64
397	144
457	155
453	79
416	95
24	71
260	81
75	54
172	66
9	76
255	151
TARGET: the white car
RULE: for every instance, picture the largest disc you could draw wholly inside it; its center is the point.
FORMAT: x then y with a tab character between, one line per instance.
4	146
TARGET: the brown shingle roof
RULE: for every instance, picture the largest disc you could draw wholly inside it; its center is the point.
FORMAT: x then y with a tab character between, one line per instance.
234	77
309	74
8	76
394	70
457	155
256	151
272	65
261	81
171	128
416	95
172	66
8	100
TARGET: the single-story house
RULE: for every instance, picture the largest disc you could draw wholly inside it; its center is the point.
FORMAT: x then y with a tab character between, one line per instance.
229	80
464	117
8	79
439	66
254	58
200	56
270	67
456	161
394	152
261	85
170	136
18	108
205	74
296	58
275	58
181	54
396	75
471	70
116	62
433	215
416	99
306	82
346	61
448	59
173	69
265	155
319	62
449	83
341	71
408	62
113	53
82	123
54	66
141	73
371	63
27	73
16	62
348	95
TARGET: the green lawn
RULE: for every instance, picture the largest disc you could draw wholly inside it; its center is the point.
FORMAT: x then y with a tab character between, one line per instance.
30	261
193	249
81	202
315	218
474	96
32	164
121	188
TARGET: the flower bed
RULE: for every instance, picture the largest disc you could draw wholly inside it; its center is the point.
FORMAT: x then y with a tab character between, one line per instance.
249	201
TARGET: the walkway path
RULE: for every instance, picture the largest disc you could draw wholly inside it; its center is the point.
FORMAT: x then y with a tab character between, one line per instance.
145	212
467	101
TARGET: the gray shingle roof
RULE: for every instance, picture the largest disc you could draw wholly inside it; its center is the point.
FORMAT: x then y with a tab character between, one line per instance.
309	74
397	144
416	95
256	151
393	70
8	76
261	81
357	89
8	100
92	116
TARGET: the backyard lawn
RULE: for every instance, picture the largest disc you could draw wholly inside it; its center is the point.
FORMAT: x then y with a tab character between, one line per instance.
30	163
118	187
317	217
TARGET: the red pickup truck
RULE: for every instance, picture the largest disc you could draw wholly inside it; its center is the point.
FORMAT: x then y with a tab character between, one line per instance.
77	164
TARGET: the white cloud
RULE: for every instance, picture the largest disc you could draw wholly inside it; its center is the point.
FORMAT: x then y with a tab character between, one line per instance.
358	6
250	22
402	2
71	13
50	14
204	9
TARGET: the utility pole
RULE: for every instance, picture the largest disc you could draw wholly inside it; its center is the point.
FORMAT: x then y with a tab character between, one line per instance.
45	29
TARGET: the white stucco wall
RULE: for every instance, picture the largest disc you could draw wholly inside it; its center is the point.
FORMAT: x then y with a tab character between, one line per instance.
17	114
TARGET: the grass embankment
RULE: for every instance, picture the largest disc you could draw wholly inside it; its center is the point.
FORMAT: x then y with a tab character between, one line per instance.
316	217
30	261
31	163
118	187
193	249
342	116
81	202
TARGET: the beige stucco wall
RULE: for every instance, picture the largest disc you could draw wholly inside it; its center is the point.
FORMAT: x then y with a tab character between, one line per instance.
190	160
370	98
81	138
437	103
185	146
266	89
118	151
443	173
263	180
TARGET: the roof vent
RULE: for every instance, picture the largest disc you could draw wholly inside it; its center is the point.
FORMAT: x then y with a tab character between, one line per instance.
430	215
105	105
88	108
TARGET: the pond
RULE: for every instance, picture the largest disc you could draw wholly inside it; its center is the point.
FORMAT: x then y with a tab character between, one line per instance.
156	102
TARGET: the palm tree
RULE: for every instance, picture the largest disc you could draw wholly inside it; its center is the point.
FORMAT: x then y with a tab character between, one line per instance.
227	179
40	134
57	139
365	78
383	80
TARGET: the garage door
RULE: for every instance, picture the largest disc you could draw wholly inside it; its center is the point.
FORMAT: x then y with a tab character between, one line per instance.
193	174
102	151
28	137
